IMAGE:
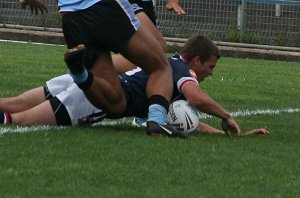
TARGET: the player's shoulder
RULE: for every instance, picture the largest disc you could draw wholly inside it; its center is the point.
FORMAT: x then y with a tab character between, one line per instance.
179	65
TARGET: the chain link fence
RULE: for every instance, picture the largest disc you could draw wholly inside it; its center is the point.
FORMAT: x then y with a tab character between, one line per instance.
271	22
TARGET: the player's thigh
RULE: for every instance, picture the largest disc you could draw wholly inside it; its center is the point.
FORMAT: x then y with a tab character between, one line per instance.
144	51
103	68
40	114
146	22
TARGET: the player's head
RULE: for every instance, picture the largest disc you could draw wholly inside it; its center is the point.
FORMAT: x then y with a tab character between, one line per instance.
200	46
202	55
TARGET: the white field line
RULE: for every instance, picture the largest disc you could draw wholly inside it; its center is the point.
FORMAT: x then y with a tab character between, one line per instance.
26	42
24	129
240	113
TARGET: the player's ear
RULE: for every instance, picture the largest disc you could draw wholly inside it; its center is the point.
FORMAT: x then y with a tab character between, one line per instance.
196	60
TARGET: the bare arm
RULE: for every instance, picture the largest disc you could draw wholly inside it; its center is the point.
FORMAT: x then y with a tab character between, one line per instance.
36	6
204	103
205	128
173	5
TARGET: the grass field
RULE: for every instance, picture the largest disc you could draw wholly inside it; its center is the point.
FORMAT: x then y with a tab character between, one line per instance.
121	161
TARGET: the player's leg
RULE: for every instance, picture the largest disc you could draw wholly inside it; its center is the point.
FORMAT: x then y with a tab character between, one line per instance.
100	85
35	96
70	107
143	50
24	101
41	114
123	34
109	29
150	26
145	13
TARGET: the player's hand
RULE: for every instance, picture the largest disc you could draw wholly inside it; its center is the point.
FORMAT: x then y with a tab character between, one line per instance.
173	5
261	131
230	126
36	6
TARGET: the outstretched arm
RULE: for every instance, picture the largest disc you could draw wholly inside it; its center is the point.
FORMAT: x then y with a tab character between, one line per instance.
36	6
205	128
173	5
204	103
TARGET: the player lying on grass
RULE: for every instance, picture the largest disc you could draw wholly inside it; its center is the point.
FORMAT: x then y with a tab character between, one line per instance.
61	102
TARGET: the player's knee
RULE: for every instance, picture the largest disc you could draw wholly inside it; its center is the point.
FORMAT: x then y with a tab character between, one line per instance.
117	109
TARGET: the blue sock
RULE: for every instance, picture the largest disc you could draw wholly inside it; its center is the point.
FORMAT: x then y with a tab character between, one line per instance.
79	78
157	113
5	118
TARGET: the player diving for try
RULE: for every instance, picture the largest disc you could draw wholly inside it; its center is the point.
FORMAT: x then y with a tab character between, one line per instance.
61	102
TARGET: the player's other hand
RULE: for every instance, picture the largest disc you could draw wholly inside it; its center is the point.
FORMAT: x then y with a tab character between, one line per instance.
173	5
36	6
230	126
261	131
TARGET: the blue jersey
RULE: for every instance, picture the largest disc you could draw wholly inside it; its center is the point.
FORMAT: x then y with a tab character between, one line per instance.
75	5
134	84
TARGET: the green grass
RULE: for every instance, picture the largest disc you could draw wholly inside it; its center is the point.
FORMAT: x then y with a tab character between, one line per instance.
121	161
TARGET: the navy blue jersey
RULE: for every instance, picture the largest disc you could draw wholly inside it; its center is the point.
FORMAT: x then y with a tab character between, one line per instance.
134	84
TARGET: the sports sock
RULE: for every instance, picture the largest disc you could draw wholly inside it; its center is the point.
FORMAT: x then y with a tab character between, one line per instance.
83	80
80	77
5	118
157	113
158	109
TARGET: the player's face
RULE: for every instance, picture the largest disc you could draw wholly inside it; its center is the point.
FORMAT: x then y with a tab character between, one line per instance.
205	69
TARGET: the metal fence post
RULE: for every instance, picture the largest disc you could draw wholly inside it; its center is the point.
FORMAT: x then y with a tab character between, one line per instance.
242	18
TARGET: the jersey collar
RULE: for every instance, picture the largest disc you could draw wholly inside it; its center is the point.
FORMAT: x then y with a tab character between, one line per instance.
184	59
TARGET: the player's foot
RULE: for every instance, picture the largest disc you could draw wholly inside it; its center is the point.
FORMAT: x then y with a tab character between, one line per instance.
5	118
155	129
74	59
139	122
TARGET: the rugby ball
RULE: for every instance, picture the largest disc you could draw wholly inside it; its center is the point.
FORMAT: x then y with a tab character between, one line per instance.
183	117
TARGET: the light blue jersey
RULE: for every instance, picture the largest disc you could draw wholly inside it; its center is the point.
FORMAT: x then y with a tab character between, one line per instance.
75	5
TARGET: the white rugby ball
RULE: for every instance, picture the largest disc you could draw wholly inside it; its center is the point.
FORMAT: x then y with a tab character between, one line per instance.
183	117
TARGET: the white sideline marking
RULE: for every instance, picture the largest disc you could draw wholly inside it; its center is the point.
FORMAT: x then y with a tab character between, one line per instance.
26	42
240	113
25	129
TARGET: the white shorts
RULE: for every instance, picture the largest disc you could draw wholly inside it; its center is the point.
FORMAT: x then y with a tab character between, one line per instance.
80	110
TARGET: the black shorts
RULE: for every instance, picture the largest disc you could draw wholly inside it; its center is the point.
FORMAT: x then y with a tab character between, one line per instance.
106	25
147	7
61	114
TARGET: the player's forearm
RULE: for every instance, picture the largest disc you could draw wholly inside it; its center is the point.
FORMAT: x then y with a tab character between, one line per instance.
205	128
203	102
209	106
